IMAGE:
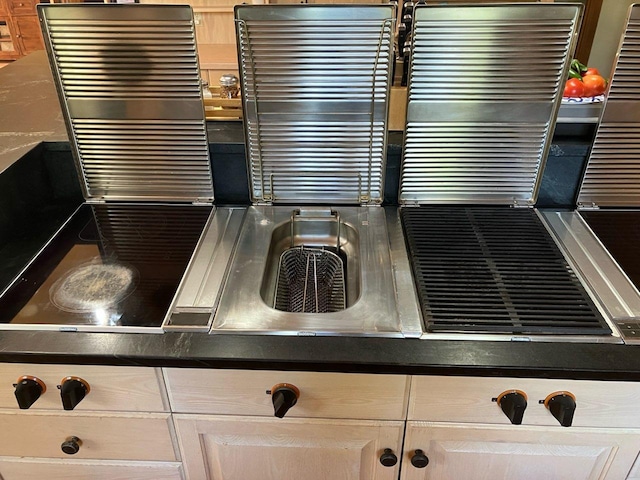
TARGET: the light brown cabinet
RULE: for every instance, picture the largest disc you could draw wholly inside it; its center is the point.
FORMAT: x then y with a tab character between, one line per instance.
19	29
338	428
122	427
207	424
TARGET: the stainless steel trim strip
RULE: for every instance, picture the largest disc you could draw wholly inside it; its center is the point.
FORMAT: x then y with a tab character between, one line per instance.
199	291
315	82
406	298
474	135
612	177
129	82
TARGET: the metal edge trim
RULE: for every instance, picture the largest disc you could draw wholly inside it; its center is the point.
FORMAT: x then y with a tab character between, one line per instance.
411	324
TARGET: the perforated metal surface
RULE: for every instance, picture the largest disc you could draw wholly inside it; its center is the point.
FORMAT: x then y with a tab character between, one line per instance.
612	177
315	85
310	280
129	82
474	134
494	270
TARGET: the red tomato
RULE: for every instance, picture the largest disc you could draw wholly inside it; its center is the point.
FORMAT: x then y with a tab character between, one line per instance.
573	88
594	85
591	71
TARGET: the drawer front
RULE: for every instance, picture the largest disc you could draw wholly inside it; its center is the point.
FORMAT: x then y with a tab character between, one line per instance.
22	7
129	389
469	399
39	469
322	395
103	436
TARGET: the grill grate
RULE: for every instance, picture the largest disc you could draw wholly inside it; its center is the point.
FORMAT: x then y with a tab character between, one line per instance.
494	270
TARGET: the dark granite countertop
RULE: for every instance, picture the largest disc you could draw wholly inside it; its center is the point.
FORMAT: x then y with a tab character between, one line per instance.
29	115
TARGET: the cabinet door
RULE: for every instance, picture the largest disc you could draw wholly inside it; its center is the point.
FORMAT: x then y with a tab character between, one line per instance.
28	33
243	448
479	452
8	45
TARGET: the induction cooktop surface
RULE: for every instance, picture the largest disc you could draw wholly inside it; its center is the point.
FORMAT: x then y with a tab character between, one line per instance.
109	266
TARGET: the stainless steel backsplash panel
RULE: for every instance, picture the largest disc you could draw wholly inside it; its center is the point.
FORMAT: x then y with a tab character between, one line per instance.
475	133
129	84
612	177
315	82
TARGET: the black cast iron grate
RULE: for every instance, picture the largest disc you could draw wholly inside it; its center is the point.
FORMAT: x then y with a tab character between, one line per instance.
494	270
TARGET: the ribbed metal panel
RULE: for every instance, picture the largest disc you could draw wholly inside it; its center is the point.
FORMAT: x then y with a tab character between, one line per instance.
120	157
612	177
475	133
129	81
315	90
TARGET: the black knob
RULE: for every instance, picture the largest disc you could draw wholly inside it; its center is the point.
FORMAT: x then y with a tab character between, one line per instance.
388	458
513	403
284	396
28	390
72	391
562	406
71	445
419	459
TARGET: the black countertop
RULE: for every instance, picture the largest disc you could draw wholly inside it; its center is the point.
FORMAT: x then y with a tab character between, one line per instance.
341	354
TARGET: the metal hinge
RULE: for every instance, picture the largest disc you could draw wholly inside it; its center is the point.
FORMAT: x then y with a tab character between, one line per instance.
520	204
202	201
592	206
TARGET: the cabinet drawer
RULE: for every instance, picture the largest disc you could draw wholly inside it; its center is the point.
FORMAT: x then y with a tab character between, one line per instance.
22	7
103	436
325	395
469	399
40	469
130	389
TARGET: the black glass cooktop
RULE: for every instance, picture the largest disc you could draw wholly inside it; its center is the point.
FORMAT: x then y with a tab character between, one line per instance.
109	266
619	232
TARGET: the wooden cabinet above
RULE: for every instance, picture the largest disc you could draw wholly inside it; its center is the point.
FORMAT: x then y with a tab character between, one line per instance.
19	29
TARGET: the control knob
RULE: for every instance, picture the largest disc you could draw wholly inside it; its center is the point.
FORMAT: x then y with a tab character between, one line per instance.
562	406
72	391
513	404
283	396
28	390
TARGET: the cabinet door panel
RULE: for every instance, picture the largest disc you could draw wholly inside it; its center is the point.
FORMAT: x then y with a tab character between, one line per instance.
485	452
29	33
242	448
36	469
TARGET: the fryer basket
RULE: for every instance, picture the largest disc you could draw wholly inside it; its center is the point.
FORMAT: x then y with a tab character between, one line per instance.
310	280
